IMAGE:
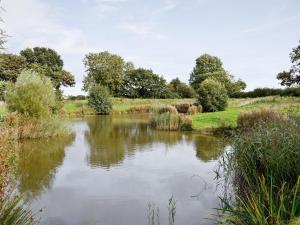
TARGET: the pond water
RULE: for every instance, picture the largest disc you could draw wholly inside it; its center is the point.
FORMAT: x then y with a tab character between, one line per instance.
112	168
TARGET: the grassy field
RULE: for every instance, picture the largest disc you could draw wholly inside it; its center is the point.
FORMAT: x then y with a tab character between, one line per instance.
228	118
200	121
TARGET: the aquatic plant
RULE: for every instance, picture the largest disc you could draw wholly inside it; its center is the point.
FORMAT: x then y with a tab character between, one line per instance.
263	169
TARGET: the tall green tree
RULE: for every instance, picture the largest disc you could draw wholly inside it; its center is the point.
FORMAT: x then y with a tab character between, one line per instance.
105	69
143	83
211	67
48	62
291	77
181	89
11	66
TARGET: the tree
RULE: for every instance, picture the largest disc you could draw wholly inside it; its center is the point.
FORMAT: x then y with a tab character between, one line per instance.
211	67
11	66
142	83
32	95
292	77
212	96
181	89
99	99
105	69
48	62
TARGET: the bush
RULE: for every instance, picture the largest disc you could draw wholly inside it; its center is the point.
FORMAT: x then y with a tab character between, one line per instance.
182	107
291	92
99	99
32	95
212	96
249	120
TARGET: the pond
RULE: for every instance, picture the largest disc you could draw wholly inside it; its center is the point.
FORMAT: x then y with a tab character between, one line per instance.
113	167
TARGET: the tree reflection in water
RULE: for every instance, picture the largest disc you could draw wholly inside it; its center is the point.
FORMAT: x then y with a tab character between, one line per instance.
111	139
37	163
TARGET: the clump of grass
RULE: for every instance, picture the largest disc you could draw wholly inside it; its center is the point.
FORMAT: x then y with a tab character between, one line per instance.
139	109
17	126
269	204
164	109
182	107
248	120
166	121
263	169
185	123
194	110
167	118
13	211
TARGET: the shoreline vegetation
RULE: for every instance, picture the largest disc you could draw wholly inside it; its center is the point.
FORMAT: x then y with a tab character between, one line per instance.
208	121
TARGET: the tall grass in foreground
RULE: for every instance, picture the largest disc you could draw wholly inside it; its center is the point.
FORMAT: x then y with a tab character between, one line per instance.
14	212
263	168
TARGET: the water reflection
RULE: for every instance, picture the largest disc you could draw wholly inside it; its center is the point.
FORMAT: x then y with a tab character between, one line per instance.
38	162
111	138
114	167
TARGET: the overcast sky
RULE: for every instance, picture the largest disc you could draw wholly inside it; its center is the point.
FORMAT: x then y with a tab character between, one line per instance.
253	38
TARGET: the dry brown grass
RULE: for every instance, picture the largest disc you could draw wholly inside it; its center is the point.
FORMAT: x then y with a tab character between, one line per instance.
248	120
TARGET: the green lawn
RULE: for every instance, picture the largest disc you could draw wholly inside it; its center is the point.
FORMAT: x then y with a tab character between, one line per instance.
236	106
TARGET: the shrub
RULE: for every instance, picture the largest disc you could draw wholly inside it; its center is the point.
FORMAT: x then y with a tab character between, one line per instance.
212	96
249	120
291	92
99	99
182	107
32	95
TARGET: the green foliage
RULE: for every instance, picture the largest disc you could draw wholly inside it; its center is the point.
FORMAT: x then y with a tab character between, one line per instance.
48	62
166	121
212	96
291	77
105	69
267	205
263	168
11	66
14	212
211	67
142	83
99	99
206	67
181	89
2	90
31	95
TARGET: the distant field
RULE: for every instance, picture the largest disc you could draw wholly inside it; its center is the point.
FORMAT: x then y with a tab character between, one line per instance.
120	105
200	121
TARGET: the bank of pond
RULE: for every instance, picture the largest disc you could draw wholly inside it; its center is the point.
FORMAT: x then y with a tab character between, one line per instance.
126	169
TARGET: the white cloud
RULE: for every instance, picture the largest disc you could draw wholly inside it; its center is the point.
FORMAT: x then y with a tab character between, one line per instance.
142	30
34	23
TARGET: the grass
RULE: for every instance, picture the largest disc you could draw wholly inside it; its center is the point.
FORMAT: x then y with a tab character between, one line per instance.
228	118
262	170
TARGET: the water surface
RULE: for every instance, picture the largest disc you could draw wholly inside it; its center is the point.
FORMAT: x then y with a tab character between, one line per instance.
113	167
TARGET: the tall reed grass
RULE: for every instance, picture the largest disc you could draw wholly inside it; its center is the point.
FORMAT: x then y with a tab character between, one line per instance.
263	169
